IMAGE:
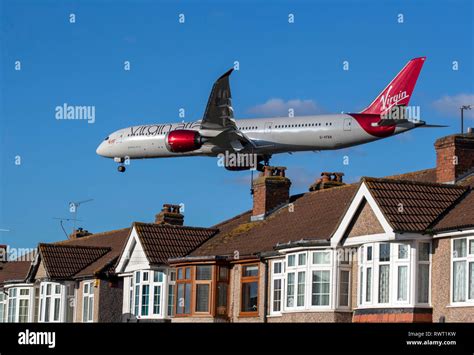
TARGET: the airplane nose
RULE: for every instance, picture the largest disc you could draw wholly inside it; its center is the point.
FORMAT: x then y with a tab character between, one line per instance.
100	149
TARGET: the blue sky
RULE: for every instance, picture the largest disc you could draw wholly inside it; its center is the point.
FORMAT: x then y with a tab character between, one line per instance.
173	66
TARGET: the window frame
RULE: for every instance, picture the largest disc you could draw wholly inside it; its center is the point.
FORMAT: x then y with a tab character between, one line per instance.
280	276
249	280
147	279
468	259
53	297
90	301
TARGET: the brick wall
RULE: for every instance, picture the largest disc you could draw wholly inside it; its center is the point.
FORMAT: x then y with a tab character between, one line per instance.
454	156
271	189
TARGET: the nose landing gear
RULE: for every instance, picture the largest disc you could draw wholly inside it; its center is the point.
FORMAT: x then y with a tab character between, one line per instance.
121	168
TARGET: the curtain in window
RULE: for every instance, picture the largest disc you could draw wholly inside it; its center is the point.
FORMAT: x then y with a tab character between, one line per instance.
290	290
402	291
202	298
384	275
277	295
459	277
368	285
301	283
423	283
471	281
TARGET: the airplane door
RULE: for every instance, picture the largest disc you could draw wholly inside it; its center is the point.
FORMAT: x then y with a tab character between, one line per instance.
347	124
268	127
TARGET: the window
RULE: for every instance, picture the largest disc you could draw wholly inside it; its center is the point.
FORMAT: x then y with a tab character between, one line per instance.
222	290
87	302
3	306
344	282
51	295
321	288
203	287
249	287
423	273
387	271
277	286
12	305
148	294
462	270
171	287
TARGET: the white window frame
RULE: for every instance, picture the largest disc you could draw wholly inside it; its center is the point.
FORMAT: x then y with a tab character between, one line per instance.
89	296
14	295
296	269
411	262
469	258
151	283
321	267
53	296
277	276
3	306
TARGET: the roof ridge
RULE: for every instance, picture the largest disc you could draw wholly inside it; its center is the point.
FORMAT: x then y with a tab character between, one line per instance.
90	236
231	219
411	182
54	245
172	226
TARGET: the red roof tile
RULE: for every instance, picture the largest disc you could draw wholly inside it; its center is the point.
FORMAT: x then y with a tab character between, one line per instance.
163	241
411	206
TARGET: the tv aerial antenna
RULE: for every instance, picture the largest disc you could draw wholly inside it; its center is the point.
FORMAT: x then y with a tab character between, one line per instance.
73	207
61	220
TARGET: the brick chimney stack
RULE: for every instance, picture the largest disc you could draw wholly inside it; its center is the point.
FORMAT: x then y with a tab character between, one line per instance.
454	157
270	190
327	180
170	214
79	233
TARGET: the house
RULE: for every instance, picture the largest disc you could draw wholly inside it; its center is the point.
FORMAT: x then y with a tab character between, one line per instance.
16	295
67	281
380	250
150	285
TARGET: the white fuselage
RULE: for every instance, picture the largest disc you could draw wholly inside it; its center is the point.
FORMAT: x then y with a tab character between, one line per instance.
270	135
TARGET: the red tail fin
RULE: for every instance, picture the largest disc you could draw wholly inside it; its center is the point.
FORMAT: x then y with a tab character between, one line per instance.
399	91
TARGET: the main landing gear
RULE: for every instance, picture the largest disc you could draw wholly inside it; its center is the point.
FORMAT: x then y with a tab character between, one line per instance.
121	167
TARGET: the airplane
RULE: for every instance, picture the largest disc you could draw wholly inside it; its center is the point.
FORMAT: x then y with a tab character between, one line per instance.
218	132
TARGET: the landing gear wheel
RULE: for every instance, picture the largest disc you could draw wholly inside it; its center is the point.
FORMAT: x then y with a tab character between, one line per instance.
121	168
266	160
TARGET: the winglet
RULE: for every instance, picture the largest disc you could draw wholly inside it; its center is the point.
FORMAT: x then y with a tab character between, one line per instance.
227	73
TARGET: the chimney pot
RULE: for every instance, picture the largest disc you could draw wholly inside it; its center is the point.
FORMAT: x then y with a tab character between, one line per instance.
327	180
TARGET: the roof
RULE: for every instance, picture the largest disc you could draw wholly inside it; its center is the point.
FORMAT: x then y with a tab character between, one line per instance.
83	257
426	175
411	206
13	271
459	217
114	239
65	261
314	215
161	242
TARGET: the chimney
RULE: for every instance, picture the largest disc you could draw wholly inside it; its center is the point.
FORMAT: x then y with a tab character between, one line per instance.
3	253
170	214
327	180
270	190
79	233
454	157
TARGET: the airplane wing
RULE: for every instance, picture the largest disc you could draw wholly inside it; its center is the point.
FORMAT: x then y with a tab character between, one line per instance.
218	122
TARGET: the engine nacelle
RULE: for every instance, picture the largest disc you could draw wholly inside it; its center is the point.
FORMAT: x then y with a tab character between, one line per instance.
183	140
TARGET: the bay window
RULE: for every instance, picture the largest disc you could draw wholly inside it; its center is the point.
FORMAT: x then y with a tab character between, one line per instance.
201	290
462	266
385	274
312	280
51	302
16	304
88	301
148	291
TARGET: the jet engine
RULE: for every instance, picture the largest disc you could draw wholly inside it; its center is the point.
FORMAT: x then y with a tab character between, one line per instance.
183	140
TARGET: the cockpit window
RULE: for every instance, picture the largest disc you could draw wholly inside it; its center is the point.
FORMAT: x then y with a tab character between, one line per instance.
106	138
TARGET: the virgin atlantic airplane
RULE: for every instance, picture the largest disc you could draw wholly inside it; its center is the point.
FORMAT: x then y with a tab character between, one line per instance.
219	133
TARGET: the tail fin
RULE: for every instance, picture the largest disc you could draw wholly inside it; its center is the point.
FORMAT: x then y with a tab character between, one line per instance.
399	91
